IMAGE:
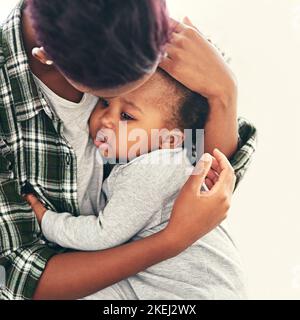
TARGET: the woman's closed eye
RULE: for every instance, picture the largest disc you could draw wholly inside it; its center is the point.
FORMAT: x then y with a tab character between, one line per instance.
126	116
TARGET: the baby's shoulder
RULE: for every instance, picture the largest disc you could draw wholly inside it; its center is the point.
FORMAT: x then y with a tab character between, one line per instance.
163	171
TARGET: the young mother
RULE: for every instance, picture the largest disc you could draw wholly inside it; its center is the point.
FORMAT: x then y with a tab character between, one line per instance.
102	48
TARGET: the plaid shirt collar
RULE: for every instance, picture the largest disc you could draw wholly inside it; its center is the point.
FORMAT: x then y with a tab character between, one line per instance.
14	56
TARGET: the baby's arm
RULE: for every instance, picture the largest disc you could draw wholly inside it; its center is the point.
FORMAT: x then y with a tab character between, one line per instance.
136	202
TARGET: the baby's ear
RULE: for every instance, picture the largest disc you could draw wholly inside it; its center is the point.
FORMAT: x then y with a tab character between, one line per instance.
172	140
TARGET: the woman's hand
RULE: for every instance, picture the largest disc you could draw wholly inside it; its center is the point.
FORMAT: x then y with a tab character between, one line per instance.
37	207
197	63
195	213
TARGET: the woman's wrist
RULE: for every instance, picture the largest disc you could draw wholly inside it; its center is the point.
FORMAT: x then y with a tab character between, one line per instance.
226	95
176	241
169	243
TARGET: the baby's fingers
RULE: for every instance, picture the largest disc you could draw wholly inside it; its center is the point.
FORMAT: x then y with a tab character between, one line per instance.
199	174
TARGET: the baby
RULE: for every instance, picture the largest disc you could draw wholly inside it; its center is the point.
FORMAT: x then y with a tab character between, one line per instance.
144	131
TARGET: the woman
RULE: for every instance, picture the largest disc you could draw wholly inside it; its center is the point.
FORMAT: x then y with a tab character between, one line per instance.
50	40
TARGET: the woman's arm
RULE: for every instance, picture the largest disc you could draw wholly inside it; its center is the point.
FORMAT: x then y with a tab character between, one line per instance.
139	194
79	274
196	63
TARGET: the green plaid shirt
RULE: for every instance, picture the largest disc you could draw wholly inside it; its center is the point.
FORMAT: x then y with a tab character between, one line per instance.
34	154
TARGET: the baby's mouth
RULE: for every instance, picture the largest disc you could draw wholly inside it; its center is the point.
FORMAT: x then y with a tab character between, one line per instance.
100	139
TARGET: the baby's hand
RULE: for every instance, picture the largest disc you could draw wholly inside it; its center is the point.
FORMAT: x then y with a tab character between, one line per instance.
36	206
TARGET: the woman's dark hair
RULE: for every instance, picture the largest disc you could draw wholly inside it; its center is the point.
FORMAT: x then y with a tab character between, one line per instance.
101	43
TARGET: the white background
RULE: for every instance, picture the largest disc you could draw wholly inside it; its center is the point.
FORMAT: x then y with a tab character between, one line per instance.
262	37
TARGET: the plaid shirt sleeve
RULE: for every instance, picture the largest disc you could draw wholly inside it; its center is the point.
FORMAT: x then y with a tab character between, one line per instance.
241	160
23	254
23	269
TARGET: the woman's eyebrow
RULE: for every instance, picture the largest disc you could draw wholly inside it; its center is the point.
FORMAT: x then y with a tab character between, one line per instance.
132	104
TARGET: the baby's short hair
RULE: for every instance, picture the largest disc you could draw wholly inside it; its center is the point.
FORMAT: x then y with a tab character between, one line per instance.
183	108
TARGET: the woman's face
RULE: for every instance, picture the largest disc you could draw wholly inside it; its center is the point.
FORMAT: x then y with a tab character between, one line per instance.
115	92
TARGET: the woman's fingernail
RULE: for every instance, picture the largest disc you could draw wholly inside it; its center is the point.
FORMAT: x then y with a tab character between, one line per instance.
206	157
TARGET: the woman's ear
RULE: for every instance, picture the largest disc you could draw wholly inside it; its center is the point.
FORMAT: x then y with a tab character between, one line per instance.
172	139
40	54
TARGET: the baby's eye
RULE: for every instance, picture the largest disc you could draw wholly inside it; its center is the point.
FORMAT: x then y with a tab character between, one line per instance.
127	117
104	103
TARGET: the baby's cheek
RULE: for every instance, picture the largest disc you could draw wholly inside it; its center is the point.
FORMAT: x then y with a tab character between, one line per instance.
92	126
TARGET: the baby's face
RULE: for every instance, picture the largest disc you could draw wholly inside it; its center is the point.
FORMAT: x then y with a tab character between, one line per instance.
139	111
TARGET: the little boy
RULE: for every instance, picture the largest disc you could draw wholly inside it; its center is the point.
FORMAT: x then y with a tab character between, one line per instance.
137	197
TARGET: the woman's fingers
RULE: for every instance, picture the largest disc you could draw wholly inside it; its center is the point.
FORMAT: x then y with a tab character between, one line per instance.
176	26
224	164
213	176
222	159
167	65
199	174
215	166
209	183
170	50
226	177
188	22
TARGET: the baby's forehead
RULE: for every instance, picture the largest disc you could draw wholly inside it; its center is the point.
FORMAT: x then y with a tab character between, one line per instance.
158	86
161	79
160	92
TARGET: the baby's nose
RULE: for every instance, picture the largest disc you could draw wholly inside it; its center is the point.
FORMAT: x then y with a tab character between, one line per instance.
109	122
